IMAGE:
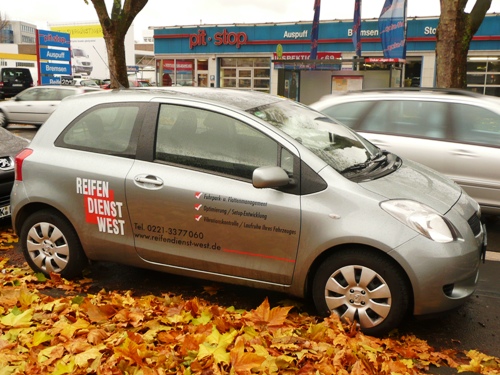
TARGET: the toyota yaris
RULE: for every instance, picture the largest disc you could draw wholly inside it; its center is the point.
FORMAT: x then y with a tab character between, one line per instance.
246	188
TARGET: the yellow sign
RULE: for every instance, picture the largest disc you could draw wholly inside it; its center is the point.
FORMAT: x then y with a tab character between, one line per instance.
80	31
279	51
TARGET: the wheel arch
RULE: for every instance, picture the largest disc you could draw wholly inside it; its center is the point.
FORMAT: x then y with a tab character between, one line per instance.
31	208
345	247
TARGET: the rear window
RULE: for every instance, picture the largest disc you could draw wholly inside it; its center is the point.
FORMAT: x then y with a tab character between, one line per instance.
107	130
10	75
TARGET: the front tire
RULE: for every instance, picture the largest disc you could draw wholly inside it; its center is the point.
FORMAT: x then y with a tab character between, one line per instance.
50	244
362	285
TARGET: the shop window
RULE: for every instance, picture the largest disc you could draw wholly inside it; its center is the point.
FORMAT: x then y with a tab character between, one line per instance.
245	73
202	64
483	75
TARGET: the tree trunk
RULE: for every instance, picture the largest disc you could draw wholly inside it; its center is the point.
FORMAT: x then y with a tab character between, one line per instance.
454	34
115	29
115	47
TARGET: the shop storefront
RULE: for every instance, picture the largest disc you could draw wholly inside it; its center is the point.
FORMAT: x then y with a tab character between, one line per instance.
274	58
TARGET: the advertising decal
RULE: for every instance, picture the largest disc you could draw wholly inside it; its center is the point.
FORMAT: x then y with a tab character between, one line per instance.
392	28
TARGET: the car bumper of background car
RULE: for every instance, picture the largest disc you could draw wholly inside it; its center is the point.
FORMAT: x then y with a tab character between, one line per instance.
443	275
4	207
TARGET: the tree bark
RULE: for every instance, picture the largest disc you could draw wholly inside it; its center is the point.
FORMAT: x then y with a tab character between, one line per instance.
453	37
115	29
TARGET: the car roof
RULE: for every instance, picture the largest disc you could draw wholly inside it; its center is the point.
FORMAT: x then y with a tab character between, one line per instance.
240	99
432	93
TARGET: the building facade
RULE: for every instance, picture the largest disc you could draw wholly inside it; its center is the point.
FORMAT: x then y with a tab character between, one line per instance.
274	57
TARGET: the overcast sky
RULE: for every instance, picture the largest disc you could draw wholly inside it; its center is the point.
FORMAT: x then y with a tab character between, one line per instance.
196	12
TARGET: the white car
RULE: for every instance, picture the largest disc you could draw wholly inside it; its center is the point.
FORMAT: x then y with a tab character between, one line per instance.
34	105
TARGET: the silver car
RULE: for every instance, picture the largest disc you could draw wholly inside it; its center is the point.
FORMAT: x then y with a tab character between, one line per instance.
34	105
247	188
454	132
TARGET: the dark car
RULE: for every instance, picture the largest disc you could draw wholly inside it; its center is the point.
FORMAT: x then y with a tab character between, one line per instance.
10	145
13	81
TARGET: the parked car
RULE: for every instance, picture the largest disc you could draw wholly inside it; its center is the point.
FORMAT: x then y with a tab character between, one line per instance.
455	132
106	84
13	81
139	83
34	105
10	145
85	82
247	188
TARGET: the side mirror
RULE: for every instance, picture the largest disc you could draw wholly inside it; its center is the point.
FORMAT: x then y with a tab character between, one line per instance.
270	177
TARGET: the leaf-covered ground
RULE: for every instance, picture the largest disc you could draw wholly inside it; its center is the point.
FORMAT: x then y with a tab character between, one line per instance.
116	333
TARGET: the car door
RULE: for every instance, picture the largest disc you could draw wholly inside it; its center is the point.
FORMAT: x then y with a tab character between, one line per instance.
474	154
34	106
195	207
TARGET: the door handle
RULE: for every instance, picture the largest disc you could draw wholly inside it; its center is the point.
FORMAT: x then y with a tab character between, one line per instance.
464	153
148	181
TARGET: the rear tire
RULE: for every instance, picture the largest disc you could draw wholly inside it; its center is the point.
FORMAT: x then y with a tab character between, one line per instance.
3	120
365	286
50	244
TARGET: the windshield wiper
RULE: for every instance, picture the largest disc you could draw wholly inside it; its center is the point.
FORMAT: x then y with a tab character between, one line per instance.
373	162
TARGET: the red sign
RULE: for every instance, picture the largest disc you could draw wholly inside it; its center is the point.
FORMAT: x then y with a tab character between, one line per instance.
223	37
305	56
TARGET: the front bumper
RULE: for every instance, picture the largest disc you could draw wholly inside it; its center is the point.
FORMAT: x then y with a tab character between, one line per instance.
443	276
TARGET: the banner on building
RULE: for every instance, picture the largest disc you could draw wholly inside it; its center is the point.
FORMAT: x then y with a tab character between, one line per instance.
356	29
315	31
392	29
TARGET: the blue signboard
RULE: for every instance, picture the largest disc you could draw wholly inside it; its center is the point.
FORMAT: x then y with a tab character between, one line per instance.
55	54
50	80
333	36
54	50
48	68
53	38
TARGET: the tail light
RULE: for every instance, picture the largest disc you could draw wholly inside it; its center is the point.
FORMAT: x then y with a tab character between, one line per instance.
23	154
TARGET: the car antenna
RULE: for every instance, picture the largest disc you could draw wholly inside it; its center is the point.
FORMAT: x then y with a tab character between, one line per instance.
111	74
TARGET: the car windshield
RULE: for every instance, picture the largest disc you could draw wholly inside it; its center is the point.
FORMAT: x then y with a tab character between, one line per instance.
334	143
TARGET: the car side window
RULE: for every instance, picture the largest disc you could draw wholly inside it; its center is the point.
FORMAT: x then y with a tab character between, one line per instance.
415	118
29	94
477	125
106	130
348	113
212	141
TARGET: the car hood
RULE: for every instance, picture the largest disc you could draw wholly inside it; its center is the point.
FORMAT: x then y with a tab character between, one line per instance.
419	183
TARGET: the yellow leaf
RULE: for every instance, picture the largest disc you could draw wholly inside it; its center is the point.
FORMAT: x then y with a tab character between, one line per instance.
243	362
70	329
64	368
216	345
20	320
204	318
40	337
26	298
82	359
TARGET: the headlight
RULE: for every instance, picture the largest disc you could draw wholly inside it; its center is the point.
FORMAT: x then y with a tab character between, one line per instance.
422	219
